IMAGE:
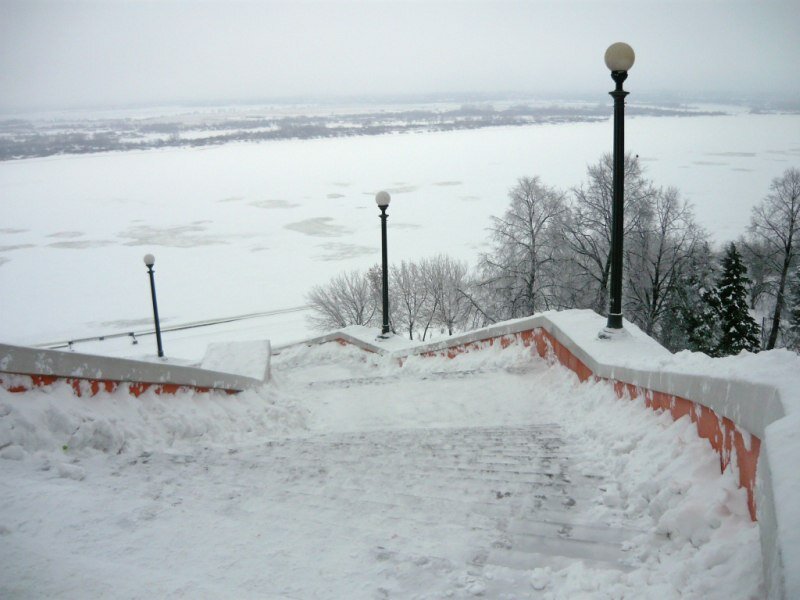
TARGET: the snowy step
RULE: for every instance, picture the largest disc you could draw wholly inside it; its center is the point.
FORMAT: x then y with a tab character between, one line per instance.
592	543
449	475
347	382
512	491
369	510
555	545
600	533
528	544
554	556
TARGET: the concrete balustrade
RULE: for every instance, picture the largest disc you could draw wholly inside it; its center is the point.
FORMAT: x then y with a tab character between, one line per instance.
23	368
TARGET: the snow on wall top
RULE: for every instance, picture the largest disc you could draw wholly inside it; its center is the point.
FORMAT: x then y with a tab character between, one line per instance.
36	361
249	359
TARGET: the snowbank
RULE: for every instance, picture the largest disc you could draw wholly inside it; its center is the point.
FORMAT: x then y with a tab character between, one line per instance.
759	392
697	533
52	421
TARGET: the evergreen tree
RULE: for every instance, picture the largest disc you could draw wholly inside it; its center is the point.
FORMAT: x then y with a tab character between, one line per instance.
705	325
693	320
739	330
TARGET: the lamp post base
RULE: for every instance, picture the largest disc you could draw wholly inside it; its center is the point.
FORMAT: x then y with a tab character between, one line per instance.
613	333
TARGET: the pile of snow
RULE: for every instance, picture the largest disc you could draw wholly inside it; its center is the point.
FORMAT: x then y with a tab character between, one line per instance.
777	370
699	540
303	364
53	421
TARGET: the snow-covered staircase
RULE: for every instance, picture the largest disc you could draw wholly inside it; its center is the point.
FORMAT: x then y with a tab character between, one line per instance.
494	474
482	505
471	495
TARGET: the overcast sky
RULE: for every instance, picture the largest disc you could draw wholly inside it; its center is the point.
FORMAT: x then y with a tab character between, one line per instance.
115	52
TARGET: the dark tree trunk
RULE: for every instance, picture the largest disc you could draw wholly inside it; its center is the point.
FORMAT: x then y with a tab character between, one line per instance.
779	301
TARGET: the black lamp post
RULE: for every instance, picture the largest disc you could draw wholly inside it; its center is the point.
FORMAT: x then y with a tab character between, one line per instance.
150	260
382	199
619	59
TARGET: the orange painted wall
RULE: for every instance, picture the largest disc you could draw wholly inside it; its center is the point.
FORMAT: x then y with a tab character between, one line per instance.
92	387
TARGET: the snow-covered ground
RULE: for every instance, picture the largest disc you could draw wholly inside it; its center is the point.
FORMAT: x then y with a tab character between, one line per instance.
245	228
492	475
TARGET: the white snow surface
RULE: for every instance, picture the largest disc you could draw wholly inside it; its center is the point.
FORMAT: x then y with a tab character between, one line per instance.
778	368
783	447
250	358
494	474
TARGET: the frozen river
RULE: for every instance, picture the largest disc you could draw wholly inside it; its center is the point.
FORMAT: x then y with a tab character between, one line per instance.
251	227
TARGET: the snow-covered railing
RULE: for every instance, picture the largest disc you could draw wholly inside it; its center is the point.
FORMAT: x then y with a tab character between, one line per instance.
751	419
23	368
343	337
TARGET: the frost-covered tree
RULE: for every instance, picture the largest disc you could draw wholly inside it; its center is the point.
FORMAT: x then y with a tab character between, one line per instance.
431	292
588	232
410	295
446	279
775	229
657	249
347	299
738	329
521	269
794	314
761	281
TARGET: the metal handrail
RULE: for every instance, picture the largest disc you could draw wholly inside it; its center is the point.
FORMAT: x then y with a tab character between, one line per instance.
144	332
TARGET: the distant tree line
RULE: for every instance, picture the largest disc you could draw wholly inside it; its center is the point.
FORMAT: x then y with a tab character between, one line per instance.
25	139
551	249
